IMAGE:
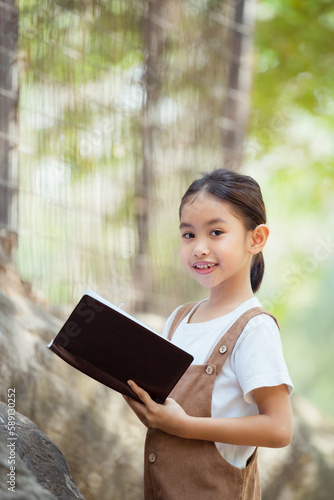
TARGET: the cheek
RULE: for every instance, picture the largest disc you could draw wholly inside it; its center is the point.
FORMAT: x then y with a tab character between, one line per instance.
184	253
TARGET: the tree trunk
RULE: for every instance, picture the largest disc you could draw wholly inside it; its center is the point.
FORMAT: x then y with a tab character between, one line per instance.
9	95
153	37
240	20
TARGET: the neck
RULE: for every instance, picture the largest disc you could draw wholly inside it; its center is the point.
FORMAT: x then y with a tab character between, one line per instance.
228	300
218	305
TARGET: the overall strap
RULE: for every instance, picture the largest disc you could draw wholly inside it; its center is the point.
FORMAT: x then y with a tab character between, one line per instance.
225	345
180	314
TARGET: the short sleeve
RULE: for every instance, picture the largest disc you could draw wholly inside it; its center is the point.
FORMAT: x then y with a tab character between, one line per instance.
258	357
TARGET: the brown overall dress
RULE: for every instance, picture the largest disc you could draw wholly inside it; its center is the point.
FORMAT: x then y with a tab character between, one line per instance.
188	469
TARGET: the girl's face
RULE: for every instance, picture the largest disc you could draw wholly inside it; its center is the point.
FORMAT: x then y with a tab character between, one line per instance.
214	243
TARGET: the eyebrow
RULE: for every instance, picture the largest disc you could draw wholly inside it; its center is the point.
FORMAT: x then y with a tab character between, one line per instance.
209	223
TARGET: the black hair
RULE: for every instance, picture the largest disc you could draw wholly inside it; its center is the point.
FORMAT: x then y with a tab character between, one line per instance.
244	196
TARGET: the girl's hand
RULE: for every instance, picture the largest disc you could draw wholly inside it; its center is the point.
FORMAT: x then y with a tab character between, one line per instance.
271	428
169	417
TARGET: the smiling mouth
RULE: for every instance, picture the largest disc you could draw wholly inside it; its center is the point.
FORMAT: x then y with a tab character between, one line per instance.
204	266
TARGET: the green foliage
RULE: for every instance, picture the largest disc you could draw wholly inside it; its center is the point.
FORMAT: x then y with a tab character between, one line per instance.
290	152
294	58
74	51
77	42
84	64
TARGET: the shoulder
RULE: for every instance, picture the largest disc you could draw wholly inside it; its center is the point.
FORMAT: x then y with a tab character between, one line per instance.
260	333
182	311
262	322
169	322
258	358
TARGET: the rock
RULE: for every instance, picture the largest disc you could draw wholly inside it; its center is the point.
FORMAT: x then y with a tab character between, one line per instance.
100	437
305	469
39	455
27	487
92	426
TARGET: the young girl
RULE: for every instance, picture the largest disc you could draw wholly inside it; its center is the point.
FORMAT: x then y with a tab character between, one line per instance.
202	442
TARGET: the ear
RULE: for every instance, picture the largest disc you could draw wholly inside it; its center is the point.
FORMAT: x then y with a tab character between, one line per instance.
259	237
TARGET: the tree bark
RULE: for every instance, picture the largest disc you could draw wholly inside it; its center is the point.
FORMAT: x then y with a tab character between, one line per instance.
9	96
154	40
240	20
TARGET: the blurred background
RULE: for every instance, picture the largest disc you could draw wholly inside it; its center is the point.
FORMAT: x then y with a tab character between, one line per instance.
109	109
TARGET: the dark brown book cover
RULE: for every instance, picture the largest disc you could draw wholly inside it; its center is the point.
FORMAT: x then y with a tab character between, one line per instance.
112	347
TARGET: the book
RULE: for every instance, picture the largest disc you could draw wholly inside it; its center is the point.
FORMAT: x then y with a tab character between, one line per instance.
112	347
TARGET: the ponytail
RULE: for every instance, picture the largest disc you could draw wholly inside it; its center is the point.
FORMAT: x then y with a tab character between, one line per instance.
257	271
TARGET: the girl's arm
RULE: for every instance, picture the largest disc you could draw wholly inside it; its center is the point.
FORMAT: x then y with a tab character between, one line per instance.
271	428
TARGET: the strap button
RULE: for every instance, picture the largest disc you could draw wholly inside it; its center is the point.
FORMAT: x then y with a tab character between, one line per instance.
222	349
209	369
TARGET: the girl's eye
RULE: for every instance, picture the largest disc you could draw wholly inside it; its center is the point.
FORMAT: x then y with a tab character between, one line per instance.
188	235
216	232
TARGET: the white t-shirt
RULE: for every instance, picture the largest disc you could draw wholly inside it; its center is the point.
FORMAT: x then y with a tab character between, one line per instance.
256	361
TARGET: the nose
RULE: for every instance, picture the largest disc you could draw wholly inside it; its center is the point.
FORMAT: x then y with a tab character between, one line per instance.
200	248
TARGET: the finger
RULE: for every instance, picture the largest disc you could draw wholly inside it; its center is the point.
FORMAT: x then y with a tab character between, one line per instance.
169	401
143	395
133	403
138	408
